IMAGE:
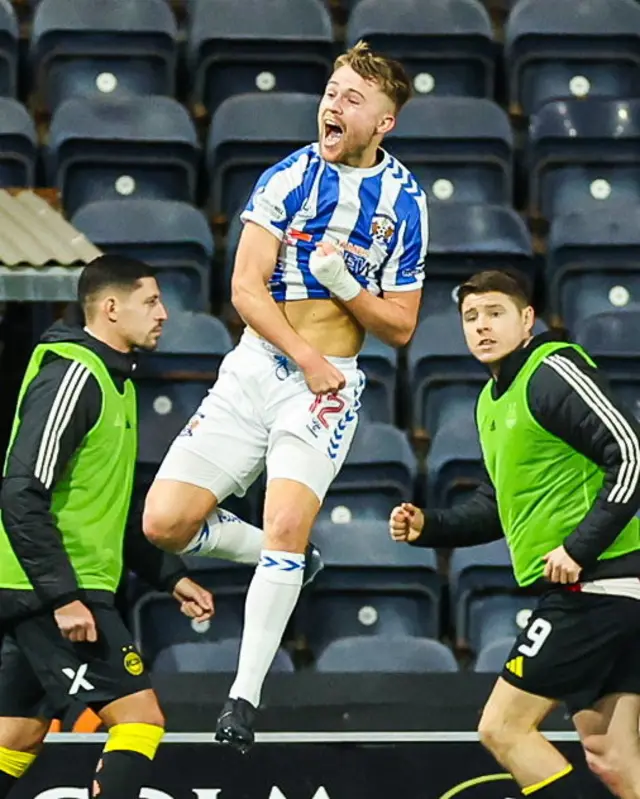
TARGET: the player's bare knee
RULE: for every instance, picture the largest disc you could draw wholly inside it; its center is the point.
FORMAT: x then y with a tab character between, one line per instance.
286	529
139	708
168	524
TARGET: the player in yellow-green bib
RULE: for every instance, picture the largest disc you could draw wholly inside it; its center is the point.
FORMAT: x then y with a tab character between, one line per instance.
66	533
563	462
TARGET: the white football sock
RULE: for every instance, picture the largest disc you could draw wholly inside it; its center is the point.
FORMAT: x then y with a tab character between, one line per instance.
224	535
271	598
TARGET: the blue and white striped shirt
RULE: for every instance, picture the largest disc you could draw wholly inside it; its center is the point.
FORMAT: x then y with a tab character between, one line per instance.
376	217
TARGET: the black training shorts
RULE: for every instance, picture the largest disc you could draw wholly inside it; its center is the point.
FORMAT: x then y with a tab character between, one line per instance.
578	647
42	673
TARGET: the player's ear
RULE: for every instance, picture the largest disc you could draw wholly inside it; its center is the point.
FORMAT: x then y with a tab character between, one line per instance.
386	124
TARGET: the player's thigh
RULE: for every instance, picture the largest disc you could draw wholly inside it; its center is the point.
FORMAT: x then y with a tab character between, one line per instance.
25	715
567	649
221	451
510	710
95	673
325	424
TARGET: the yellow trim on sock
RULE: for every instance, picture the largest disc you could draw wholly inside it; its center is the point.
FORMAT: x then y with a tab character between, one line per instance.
134	737
543	783
14	762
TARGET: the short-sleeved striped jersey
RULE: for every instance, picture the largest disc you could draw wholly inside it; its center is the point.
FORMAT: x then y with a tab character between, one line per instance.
376	217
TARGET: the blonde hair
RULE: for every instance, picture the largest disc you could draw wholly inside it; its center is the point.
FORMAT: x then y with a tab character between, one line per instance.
390	75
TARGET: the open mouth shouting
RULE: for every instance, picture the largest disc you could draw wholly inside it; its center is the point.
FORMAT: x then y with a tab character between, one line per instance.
333	133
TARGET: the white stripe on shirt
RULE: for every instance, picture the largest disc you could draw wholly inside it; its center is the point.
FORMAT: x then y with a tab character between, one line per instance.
627	441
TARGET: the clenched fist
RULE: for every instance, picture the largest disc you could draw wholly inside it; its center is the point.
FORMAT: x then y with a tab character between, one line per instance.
328	267
406	522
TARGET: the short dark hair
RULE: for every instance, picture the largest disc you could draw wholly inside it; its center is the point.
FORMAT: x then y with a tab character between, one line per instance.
507	281
110	271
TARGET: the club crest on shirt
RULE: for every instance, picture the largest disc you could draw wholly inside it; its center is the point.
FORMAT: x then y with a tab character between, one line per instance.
382	229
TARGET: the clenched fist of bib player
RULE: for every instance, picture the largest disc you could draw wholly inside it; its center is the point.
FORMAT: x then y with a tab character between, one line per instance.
406	522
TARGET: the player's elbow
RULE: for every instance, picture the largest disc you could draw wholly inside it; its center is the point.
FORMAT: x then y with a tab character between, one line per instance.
400	337
241	294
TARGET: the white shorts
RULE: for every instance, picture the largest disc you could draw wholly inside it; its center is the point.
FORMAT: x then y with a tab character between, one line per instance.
260	413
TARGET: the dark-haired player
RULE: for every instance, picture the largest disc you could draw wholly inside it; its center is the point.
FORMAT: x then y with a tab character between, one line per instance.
64	505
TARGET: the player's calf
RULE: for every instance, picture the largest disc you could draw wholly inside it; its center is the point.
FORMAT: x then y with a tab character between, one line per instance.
509	730
136	727
20	742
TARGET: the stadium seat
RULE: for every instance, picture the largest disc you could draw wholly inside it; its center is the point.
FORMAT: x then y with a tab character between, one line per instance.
611	338
492	658
593	263
477	573
442	372
104	48
458	148
9	36
454	460
173	380
464	239
238	150
173	237
494	617
211	657
157	622
18	145
379	471
370	586
381	654
554	52
584	156
446	46
236	48
101	149
379	362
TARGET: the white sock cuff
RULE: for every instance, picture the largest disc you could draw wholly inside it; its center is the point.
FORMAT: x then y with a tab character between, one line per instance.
282	567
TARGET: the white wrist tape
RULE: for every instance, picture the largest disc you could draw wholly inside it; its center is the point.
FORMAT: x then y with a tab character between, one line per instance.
331	271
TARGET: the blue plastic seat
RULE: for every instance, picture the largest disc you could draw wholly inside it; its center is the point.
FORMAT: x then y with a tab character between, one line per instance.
100	149
555	50
492	658
18	145
238	150
476	573
494	617
379	362
173	237
236	48
370	586
442	372
384	654
460	149
108	47
583	155
465	238
611	338
211	657
454	460
447	46
592	263
9	37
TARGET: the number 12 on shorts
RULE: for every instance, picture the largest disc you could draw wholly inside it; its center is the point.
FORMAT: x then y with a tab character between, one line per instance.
537	633
324	406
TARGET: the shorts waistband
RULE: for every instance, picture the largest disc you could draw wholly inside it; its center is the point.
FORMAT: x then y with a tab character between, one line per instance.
258	344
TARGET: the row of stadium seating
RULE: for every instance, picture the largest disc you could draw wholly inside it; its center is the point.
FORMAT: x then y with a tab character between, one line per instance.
377	607
448	47
580	156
